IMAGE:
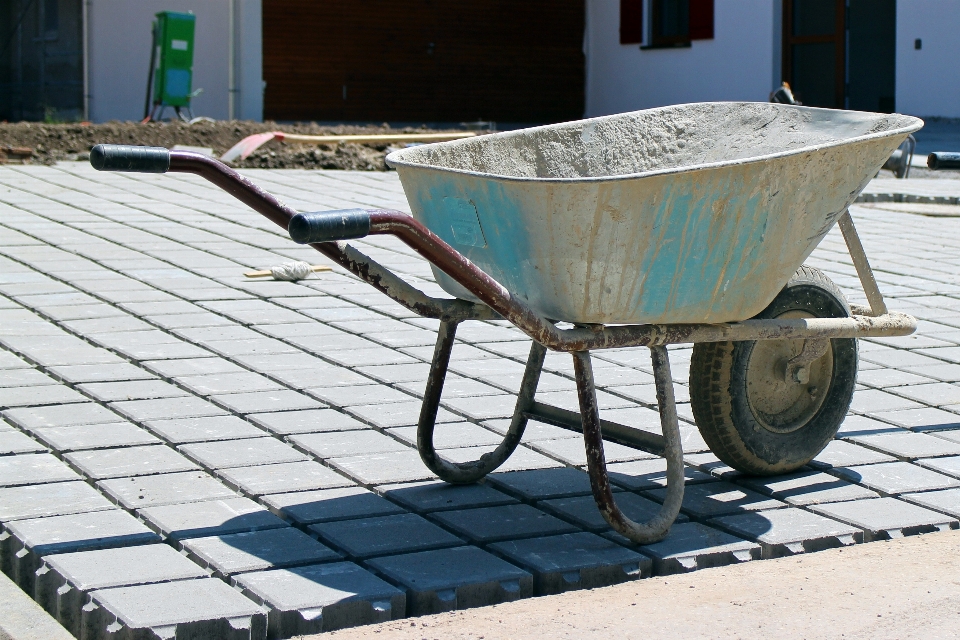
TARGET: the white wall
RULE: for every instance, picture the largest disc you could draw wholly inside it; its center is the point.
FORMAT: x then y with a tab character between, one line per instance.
742	62
928	80
119	57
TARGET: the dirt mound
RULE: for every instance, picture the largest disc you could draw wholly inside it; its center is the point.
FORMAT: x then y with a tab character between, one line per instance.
55	142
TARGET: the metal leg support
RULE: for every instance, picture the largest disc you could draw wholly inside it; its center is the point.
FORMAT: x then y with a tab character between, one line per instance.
657	528
469	472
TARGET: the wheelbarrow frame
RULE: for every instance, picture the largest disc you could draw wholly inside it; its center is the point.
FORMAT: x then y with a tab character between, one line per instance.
325	232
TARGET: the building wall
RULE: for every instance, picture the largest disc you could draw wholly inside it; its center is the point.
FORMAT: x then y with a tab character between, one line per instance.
928	80
119	56
742	62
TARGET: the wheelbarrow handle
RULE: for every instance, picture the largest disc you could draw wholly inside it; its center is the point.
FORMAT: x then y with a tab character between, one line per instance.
329	226
123	157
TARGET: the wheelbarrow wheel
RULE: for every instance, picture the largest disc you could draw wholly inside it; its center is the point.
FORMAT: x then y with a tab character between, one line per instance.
762	414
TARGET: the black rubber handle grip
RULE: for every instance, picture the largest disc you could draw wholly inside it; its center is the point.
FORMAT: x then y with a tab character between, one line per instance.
327	226
123	157
944	160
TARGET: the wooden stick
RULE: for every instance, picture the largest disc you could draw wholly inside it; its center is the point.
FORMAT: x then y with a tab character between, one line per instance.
263	274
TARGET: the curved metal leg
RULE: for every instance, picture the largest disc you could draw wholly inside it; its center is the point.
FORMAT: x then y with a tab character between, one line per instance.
469	472
657	528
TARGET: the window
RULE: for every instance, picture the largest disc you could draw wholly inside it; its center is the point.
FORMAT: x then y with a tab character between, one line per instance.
669	23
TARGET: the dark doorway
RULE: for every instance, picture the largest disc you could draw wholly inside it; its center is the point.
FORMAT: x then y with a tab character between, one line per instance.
814	51
872	31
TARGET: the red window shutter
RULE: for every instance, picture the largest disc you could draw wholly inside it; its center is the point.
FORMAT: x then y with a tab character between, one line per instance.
631	21
701	20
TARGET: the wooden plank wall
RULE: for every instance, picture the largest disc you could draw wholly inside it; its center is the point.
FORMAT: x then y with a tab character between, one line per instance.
424	60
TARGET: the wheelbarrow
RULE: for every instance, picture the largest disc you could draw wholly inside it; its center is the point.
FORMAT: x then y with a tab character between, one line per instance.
683	224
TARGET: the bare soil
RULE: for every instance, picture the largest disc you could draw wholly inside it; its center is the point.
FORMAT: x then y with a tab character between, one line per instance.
55	142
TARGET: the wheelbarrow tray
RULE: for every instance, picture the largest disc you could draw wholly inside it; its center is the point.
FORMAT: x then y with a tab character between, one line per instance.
695	213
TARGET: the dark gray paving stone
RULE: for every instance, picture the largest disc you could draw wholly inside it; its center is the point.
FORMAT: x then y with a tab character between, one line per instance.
397	414
583	512
542	484
897	477
131	390
24	542
310	421
77	374
840	453
383	468
13	442
574	561
923	419
784	532
284	477
64	580
265	401
691	546
512	521
204	608
241	453
425	497
887	518
306	600
55	499
167	488
907	445
33	468
650	474
67	415
808	487
718	499
949	466
38	396
308	507
128	461
338	444
572	451
257	551
95	436
187	430
451	435
385	535
458	578
209	518
166	409
946	501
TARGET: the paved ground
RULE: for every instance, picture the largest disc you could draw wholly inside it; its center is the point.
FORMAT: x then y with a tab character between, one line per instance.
155	401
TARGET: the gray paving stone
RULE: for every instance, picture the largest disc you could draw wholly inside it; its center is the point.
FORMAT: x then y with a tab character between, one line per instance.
241	453
949	466
923	419
339	444
284	477
166	409
397	414
896	477
324	597
808	487
691	546
310	421
784	532
257	551
649	474
534	431
219	383
522	459
719	498
24	378
840	453
572	451
187	430
458	578
451	435
887	518
101	464
952	436
368	394
425	497
946	501
65	580
24	542
131	390
492	524
33	468
265	401
542	484
38	396
309	507
204	608
574	561
583	512
309	376
10	361
66	415
482	408
193	367
209	518
14	442
937	394
907	445
384	535
383	468
167	488
55	499
95	436
854	425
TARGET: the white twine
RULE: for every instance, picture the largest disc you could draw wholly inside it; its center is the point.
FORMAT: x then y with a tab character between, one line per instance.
291	271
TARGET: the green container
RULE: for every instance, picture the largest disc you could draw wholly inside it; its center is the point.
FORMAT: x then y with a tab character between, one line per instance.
173	35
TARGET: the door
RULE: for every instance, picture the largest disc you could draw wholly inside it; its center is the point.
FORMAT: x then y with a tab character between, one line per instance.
872	32
814	46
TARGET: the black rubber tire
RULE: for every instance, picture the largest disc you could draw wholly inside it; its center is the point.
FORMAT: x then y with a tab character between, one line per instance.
718	388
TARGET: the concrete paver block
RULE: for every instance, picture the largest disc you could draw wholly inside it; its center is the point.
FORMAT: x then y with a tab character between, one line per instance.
692	545
131	390
284	477
340	444
897	477
166	409
457	578
66	415
308	507
400	533
923	419
64	580
257	551
840	453
209	518
808	487
574	561
359	394
241	453
425	497
219	383
523	459
128	461
95	436
572	451
264	401
783	532
949	466
322	597
909	446
397	414
452	435
542	484
886	518
204	608
719	498
38	396
186	430
650	474
14	442
946	501
512	521
583	511
77	374
383	468
192	367
309	421
140	492
54	499
33	468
